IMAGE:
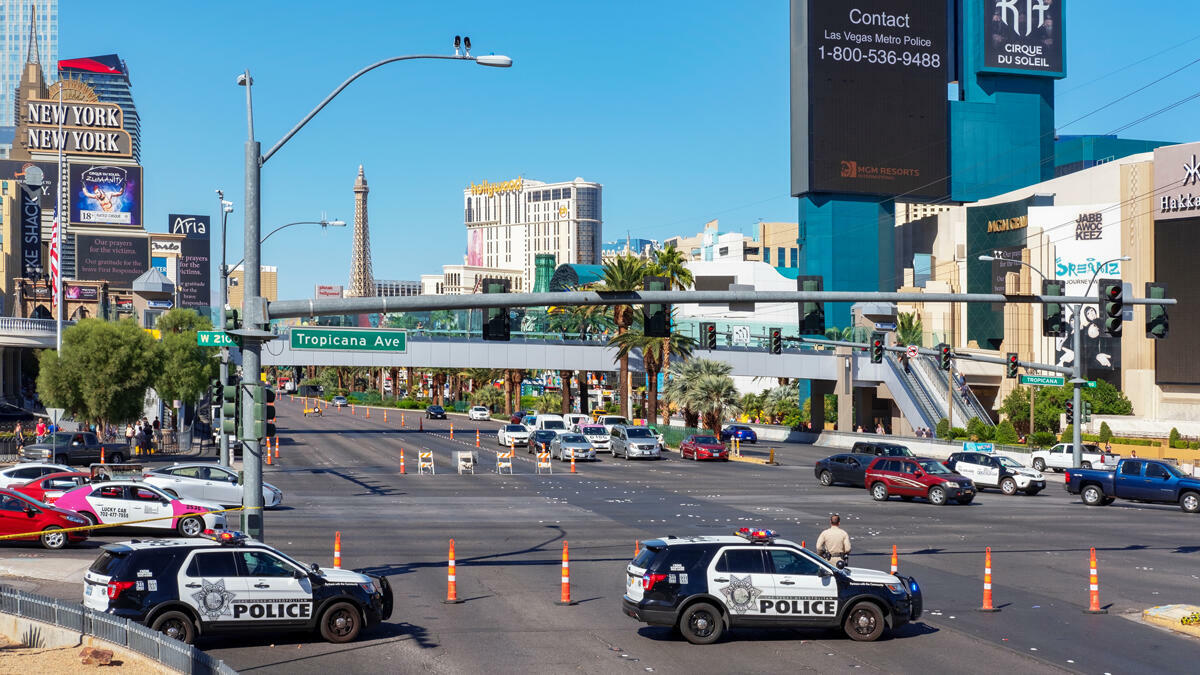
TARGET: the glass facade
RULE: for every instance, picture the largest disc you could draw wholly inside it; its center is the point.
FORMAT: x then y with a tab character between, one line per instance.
113	88
15	18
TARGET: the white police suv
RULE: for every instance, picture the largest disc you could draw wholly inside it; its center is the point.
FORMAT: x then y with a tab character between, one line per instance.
705	585
227	581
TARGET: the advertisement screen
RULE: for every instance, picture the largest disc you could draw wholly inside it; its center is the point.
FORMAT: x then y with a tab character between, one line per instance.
117	260
109	195
31	229
1025	36
869	104
194	227
1175	266
194	270
475	247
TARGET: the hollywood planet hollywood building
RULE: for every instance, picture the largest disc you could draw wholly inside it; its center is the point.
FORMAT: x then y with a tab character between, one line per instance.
511	222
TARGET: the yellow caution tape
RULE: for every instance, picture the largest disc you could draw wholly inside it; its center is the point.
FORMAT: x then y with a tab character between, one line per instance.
85	528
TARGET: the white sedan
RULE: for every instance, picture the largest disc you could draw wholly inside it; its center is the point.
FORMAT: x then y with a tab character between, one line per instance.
23	473
479	413
512	434
207	482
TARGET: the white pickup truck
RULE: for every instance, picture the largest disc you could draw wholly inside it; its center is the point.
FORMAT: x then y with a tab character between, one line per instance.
1061	457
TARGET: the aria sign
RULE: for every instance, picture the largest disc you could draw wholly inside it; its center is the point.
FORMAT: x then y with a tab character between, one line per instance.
1177	181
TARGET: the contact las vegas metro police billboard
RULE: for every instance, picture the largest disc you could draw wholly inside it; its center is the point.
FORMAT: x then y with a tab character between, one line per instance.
869	109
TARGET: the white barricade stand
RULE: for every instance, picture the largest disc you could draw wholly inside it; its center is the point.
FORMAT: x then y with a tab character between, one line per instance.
425	463
466	461
543	463
504	460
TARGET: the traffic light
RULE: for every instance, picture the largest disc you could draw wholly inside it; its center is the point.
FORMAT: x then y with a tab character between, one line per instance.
214	391
877	347
708	335
264	412
495	319
776	340
656	319
812	314
1086	412
233	320
1053	323
944	356
1112	305
1070	412
1010	363
230	394
1156	315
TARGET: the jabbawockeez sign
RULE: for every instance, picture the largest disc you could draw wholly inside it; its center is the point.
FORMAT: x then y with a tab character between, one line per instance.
76	128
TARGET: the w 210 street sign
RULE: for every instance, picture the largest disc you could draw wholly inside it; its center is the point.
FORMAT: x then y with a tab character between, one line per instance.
350	339
215	338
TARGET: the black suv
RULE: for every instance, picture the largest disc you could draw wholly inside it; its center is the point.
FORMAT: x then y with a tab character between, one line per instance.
881	449
435	412
706	585
228	582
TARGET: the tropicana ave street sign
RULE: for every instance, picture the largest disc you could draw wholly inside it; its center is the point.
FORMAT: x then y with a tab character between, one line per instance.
350	339
1043	380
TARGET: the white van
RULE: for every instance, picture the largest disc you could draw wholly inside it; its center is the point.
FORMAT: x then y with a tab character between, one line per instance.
575	419
550	423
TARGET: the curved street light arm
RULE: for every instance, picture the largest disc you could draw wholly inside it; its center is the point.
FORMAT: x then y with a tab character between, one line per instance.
322	223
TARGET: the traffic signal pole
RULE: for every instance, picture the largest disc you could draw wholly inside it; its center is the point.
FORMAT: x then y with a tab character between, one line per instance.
252	497
1076	381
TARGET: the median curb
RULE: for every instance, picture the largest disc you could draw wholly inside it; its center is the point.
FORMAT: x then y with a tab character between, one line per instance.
1179	618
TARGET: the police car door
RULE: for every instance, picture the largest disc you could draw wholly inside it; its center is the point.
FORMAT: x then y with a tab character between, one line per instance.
967	465
802	593
988	472
210	583
275	593
739	577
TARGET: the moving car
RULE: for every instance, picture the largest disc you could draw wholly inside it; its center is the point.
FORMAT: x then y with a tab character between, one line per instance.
530	423
78	447
571	446
340	401
997	471
20	513
1062	456
143	506
435	412
1144	480
848	469
610	421
705	585
630	442
228	582
553	423
910	477
517	417
207	482
703	446
881	449
597	435
540	440
23	473
573	420
739	431
51	486
512	434
479	413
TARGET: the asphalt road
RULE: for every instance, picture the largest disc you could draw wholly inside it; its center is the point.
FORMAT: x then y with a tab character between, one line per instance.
342	473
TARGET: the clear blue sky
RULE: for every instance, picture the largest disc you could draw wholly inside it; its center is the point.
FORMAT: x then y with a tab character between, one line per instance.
679	109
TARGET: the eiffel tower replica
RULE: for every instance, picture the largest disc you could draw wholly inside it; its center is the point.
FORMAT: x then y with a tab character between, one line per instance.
362	279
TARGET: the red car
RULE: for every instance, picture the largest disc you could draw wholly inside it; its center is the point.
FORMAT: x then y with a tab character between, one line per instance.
20	514
51	486
700	447
909	477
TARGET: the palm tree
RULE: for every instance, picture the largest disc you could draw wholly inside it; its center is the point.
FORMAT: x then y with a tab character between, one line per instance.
909	329
489	396
753	404
548	401
672	264
716	397
621	275
684	376
566	376
654	351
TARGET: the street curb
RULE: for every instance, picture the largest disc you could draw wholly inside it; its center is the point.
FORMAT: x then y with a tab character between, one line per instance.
1174	618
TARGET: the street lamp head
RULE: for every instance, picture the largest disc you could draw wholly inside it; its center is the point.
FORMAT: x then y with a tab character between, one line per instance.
334	223
242	79
227	207
494	60
986	258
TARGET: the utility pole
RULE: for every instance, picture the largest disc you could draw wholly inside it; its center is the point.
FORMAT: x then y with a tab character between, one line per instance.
1029	439
1076	381
252	500
223	299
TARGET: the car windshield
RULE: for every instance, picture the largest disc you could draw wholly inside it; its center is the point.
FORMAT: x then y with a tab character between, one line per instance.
639	432
930	466
706	440
514	427
1010	462
60	438
573	438
553	424
896	451
614	420
543	435
593	430
479	408
435	408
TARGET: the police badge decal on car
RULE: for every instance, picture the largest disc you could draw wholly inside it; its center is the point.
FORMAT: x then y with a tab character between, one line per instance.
741	594
213	599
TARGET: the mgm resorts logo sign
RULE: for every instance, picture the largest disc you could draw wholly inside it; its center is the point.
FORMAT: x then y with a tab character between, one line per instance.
1184	202
1089	226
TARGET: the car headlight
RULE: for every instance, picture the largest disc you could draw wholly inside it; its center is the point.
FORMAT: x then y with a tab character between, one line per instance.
951	485
898	589
369	588
73	519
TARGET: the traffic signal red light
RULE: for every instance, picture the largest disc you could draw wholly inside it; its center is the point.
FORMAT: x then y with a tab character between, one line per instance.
1011	366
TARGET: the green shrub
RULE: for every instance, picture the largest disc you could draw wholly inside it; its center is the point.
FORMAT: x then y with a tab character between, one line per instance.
977	428
1068	433
1194	445
1174	437
1179	445
958	432
943	428
1043	439
1006	433
1105	433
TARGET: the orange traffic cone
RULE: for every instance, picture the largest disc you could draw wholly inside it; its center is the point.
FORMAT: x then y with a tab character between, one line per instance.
987	582
368	413
276	447
337	550
1094	589
401	420
452	431
802	543
268	452
895	566
637	547
102	454
352	409
451	584
565	598
572	463
422	424
401	461
384	415
477	438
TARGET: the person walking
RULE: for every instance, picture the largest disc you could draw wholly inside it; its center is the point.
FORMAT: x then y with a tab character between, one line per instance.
19	436
834	544
40	430
129	434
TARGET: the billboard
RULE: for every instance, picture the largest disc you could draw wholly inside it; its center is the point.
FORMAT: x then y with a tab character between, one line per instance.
1175	266
75	127
868	97
1177	181
194	227
41	173
117	260
103	194
475	247
999	230
82	293
327	291
195	259
31	229
1023	37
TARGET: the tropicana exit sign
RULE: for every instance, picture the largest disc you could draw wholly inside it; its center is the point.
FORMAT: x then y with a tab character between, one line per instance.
350	339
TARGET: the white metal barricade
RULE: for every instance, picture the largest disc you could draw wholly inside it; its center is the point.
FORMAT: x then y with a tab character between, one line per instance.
425	463
465	460
543	463
504	460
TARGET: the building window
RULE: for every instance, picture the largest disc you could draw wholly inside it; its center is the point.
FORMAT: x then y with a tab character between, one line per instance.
767	255
793	259
781	257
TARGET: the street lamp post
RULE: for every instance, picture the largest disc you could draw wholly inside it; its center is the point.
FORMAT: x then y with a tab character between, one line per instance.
223	299
254	306
1077	366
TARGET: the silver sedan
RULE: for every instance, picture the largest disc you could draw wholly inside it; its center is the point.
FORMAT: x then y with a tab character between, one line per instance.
572	446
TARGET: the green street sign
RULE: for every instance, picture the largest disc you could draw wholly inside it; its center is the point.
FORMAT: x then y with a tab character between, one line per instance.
215	338
350	339
1043	380
1091	384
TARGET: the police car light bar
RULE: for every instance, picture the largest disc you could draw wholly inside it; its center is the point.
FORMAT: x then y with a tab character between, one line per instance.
225	537
757	535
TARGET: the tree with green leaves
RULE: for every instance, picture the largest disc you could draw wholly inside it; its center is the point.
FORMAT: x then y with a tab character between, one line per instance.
653	350
548	402
909	329
716	397
186	369
620	275
103	372
490	396
684	376
1006	433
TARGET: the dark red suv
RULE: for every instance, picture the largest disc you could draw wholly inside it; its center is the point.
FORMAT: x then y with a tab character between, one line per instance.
908	477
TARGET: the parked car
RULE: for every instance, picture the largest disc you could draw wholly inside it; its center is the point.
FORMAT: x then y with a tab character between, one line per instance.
571	446
207	482
703	446
910	477
78	447
846	468
340	402
435	412
741	432
21	474
136	504
1143	480
540	440
997	471
1062	456
512	434
51	486
479	413
630	442
597	435
881	449
20	513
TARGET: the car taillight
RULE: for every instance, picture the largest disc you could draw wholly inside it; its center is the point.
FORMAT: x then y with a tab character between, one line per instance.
116	587
648	580
1067	476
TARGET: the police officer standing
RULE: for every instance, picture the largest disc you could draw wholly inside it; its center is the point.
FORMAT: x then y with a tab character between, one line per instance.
834	543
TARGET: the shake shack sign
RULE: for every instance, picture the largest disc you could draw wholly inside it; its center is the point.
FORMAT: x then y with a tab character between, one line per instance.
76	128
1177	182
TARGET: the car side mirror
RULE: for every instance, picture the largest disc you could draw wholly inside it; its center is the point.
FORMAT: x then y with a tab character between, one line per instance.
918	473
299	575
314	567
822	572
30	511
841	564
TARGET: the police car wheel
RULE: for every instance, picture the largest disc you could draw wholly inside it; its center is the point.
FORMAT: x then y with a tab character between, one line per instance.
190	526
826	478
340	623
53	540
1085	465
864	622
879	492
937	496
1008	486
701	624
176	625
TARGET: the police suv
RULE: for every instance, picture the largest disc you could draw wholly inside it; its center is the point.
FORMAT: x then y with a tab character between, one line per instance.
705	585
227	581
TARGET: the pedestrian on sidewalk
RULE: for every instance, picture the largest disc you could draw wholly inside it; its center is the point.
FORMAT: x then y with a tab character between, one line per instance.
19	436
129	434
834	544
40	430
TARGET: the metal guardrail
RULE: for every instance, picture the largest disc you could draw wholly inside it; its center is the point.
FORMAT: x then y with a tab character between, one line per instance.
14	325
133	636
